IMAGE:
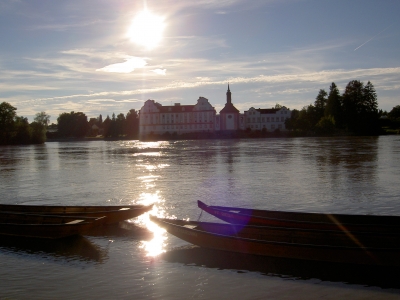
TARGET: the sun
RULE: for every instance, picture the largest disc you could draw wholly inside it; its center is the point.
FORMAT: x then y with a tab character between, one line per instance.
146	29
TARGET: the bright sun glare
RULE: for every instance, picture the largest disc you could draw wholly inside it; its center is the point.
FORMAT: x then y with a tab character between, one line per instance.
146	29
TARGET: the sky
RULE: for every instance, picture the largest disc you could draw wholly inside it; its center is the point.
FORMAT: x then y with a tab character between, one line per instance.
110	56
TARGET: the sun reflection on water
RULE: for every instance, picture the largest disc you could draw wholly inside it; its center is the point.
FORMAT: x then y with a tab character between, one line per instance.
157	244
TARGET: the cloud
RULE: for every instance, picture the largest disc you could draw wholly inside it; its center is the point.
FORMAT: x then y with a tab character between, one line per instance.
160	71
131	63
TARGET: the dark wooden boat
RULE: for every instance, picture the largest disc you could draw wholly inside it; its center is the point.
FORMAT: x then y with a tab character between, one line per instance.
45	226
285	242
113	213
321	221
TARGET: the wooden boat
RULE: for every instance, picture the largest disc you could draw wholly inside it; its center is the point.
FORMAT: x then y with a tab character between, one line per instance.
113	213
321	221
45	226
284	242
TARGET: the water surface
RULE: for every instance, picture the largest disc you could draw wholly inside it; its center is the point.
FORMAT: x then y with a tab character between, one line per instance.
341	175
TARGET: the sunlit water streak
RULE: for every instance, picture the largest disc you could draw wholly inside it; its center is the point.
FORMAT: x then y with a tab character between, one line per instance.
352	175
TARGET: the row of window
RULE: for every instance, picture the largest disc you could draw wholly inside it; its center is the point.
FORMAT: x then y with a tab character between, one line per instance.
174	122
177	127
257	113
269	119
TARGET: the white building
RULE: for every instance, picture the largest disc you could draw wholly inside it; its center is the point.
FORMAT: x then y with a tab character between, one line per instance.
201	117
157	119
271	119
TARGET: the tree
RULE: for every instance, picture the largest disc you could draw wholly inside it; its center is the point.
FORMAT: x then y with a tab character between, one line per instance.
74	124
100	121
360	108
333	105
320	104
42	118
106	126
326	125
120	124
39	127
370	115
132	124
351	103
7	122
291	123
394	114
22	131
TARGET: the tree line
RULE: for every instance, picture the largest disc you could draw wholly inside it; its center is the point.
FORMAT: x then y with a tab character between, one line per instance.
17	130
76	124
353	112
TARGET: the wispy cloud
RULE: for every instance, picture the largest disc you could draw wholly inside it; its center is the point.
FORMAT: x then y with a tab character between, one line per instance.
130	64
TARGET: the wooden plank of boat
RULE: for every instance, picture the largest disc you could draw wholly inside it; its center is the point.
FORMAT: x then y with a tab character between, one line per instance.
320	221
113	213
213	236
45	226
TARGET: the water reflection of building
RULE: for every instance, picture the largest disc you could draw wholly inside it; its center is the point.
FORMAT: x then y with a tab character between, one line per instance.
155	118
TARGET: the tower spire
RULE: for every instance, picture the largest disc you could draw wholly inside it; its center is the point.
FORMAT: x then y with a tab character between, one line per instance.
228	95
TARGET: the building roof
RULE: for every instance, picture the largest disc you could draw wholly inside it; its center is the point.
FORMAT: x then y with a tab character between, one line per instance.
229	108
175	108
268	110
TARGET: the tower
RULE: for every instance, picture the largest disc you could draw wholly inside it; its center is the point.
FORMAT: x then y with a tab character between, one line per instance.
229	115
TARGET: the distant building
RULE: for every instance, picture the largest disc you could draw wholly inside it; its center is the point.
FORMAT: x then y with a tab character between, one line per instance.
155	118
229	118
271	119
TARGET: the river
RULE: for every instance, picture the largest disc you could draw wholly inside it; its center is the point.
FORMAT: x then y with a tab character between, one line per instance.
137	260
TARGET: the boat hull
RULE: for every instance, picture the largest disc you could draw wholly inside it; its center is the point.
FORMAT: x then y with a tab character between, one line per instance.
347	223
113	214
312	252
45	226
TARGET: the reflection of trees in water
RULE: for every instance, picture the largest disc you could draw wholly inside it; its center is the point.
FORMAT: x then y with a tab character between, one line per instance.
201	153
285	268
355	156
78	153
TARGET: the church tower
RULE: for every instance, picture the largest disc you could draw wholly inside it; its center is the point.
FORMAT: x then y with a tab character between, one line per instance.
229	115
228	95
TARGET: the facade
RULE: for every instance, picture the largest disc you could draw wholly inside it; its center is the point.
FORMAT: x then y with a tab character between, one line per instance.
155	118
229	116
271	119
